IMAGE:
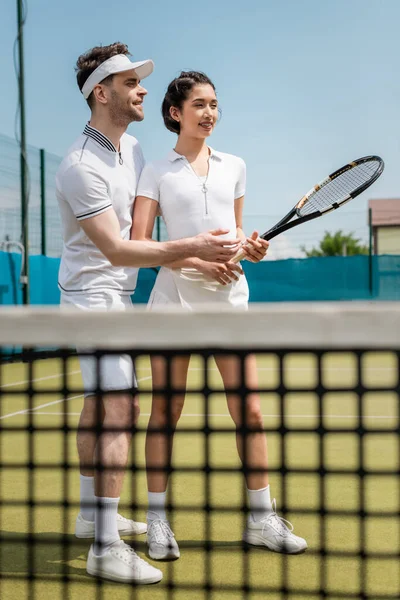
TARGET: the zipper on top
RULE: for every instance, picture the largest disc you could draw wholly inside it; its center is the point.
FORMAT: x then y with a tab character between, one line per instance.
204	189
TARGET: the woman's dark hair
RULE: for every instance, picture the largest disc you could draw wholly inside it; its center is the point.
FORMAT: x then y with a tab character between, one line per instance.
178	91
88	62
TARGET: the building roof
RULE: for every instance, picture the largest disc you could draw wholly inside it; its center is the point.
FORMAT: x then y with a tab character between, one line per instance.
385	211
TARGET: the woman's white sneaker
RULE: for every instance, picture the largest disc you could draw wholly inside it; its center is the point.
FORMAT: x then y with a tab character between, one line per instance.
121	563
85	529
275	533
161	541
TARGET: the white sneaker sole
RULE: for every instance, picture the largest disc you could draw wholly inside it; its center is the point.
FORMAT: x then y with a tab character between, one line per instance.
166	556
256	539
84	536
89	535
96	572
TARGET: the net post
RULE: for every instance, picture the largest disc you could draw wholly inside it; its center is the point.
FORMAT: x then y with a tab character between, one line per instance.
23	162
43	200
370	255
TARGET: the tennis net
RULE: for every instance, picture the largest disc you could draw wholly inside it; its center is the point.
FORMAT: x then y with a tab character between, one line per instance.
329	391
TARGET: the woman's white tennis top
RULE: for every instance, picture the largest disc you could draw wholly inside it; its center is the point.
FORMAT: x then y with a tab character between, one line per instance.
190	205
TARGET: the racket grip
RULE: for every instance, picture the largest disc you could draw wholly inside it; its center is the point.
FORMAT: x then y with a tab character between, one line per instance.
239	256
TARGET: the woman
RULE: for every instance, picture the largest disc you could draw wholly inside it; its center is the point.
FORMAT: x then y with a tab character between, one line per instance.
196	189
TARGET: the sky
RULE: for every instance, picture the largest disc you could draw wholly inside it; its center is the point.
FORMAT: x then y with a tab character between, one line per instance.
304	86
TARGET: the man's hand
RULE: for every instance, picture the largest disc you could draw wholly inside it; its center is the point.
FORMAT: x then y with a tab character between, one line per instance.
255	248
224	273
210	247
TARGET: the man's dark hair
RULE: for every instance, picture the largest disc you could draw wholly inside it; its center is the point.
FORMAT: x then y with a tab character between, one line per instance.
88	62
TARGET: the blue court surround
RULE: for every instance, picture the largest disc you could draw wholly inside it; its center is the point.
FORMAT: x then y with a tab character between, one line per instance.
308	279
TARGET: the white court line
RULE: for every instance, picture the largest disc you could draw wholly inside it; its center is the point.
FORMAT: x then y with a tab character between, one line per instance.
27	410
268	416
8	385
301	369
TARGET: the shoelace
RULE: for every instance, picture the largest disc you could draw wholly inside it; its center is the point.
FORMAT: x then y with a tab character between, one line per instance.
283	526
161	530
129	555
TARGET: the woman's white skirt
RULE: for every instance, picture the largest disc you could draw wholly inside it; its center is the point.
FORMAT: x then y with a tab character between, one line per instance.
190	289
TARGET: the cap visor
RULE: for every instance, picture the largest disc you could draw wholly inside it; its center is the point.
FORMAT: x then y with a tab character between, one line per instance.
143	68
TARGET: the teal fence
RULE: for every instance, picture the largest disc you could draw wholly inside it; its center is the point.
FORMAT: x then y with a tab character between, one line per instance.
326	278
308	279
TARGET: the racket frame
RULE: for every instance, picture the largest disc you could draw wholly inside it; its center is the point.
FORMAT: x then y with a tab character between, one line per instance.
284	223
287	223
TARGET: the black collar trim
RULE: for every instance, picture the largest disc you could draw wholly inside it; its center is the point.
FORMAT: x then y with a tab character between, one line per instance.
99	137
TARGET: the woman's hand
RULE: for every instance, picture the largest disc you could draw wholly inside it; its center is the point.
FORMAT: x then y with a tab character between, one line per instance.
224	273
255	248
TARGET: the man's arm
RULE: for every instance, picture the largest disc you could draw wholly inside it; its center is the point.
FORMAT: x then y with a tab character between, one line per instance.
104	231
145	212
144	215
87	194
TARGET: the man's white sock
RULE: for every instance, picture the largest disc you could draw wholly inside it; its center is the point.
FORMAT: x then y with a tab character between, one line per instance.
87	497
105	523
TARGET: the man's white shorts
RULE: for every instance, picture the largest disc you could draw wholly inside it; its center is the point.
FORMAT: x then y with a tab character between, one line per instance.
116	371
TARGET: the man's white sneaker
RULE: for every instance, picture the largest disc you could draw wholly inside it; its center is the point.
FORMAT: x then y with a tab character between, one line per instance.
85	529
161	541
275	533
121	563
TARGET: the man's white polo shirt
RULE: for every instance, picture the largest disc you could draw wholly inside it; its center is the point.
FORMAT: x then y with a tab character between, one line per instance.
93	178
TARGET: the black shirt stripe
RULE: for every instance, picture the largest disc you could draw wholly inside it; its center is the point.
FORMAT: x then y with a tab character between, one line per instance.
98	137
93	212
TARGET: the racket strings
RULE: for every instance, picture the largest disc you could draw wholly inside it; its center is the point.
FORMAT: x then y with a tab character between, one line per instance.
340	188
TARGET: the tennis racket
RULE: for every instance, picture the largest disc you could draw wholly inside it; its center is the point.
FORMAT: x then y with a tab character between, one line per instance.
328	195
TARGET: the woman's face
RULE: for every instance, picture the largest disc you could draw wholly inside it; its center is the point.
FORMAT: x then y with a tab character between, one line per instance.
199	113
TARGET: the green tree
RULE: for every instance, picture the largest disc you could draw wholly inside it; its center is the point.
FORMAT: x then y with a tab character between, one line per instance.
337	244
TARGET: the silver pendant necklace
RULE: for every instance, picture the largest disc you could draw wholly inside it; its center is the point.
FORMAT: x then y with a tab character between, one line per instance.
204	183
204	187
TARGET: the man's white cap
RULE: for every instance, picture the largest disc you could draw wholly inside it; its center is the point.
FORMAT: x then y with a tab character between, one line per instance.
116	64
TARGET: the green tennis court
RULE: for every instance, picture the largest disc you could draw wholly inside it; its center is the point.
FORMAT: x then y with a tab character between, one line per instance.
226	564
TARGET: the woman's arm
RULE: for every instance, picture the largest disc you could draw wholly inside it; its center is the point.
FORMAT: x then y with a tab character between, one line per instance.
144	215
239	202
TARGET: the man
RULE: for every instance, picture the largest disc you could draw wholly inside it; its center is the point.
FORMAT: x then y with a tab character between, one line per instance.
96	186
